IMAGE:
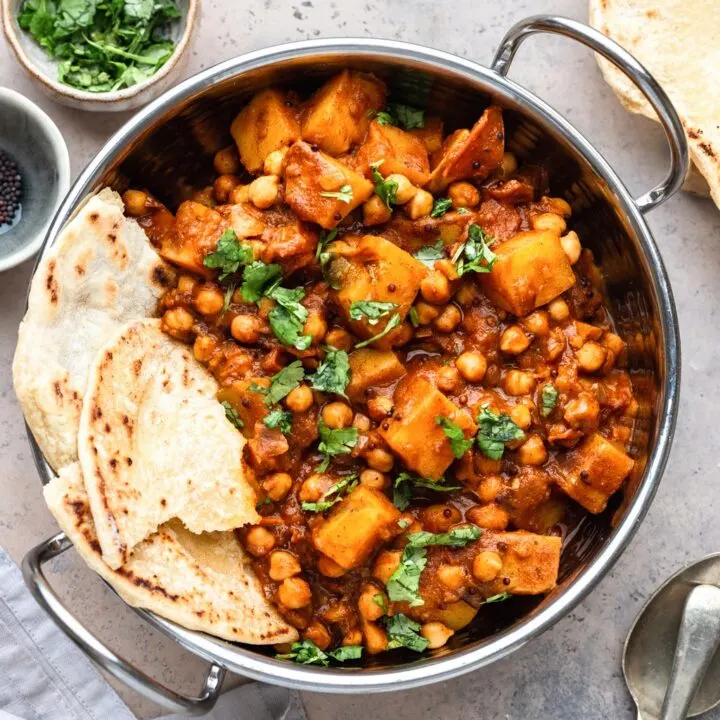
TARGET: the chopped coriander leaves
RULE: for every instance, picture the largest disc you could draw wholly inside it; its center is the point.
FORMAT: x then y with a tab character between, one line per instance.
548	399
496	430
333	495
405	116
279	419
306	652
344	194
413	317
475	255
371	310
288	317
283	382
228	297
263	503
333	374
463	211
405	483
324	257
258	279
335	442
381	602
403	632
429	254
440	207
346	652
392	323
501	597
386	190
229	255
459	444
457	537
231	415
385	118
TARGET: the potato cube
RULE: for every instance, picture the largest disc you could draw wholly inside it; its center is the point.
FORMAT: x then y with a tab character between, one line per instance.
456	615
250	406
412	432
431	134
371	268
362	521
471	153
264	125
597	469
530	562
371	368
399	151
338	114
311	175
531	270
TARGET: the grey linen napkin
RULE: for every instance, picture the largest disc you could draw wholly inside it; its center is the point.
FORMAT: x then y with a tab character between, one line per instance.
44	676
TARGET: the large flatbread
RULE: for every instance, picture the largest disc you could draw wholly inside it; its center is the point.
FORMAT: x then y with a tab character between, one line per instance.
679	42
101	274
203	582
155	444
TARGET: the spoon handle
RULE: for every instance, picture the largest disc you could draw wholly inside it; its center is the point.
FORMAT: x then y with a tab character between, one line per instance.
698	640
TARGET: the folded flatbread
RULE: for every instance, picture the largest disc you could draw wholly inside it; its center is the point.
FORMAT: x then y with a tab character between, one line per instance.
154	444
679	43
203	582
101	273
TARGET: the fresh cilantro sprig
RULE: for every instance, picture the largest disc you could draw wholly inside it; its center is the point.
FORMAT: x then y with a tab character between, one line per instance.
392	323
333	373
306	652
344	194
475	255
288	317
371	310
548	399
404	632
429	254
282	383
229	255
279	419
334	442
405	116
333	495
496	430
231	415
260	278
500	597
405	484
386	190
440	207
459	444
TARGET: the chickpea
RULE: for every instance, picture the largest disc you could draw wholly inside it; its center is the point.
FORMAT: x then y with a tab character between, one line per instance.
426	313
518	382
329	568
472	365
509	164
514	340
315	326
532	451
537	323
178	322
273	164
186	283
246	328
521	416
352	637
435	288
558	310
135	202
613	342
446	267
240	194
452	577
467	294
204	347
263	192
223	186
339	339
294	593
591	356
299	399
337	415
405	189
209	300
486	566
571	246
463	194
375	211
440	517
379	459
583	411
283	565
259	541
490	487
277	485
402	335
491	517
420	205
386	564
314	486
380	407
316	632
449	319
560	206
549	221
369	609
448	378
361	422
226	161
375	639
436	633
374	479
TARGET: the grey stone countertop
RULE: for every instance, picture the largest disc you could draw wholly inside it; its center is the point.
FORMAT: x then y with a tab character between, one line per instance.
573	670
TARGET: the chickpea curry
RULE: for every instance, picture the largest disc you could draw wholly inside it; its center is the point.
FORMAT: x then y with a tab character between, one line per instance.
416	349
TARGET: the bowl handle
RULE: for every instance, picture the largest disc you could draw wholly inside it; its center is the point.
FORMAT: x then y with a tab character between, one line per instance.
625	62
119	667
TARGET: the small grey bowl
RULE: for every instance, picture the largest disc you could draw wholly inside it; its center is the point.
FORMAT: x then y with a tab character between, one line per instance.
33	140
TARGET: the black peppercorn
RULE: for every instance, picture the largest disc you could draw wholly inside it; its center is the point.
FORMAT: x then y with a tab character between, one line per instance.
10	188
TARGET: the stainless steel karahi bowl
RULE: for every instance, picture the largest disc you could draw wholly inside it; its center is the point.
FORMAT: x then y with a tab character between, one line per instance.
168	148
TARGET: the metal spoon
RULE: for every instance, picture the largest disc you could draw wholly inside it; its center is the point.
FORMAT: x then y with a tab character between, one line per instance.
669	660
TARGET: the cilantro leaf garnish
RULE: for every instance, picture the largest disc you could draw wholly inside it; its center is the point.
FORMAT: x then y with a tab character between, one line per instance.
229	292
501	597
385	118
306	652
458	443
495	431
405	116
380	601
371	310
283	382
386	190
413	316
346	652
392	323
440	207
475	255
288	317
333	374
457	537
229	255
403	632
325	239
344	194
335	442
258	278
405	483
231	415
548	399
333	495
428	254
279	419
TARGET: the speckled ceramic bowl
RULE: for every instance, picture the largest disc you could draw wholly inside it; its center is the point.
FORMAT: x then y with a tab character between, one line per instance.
35	143
44	69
